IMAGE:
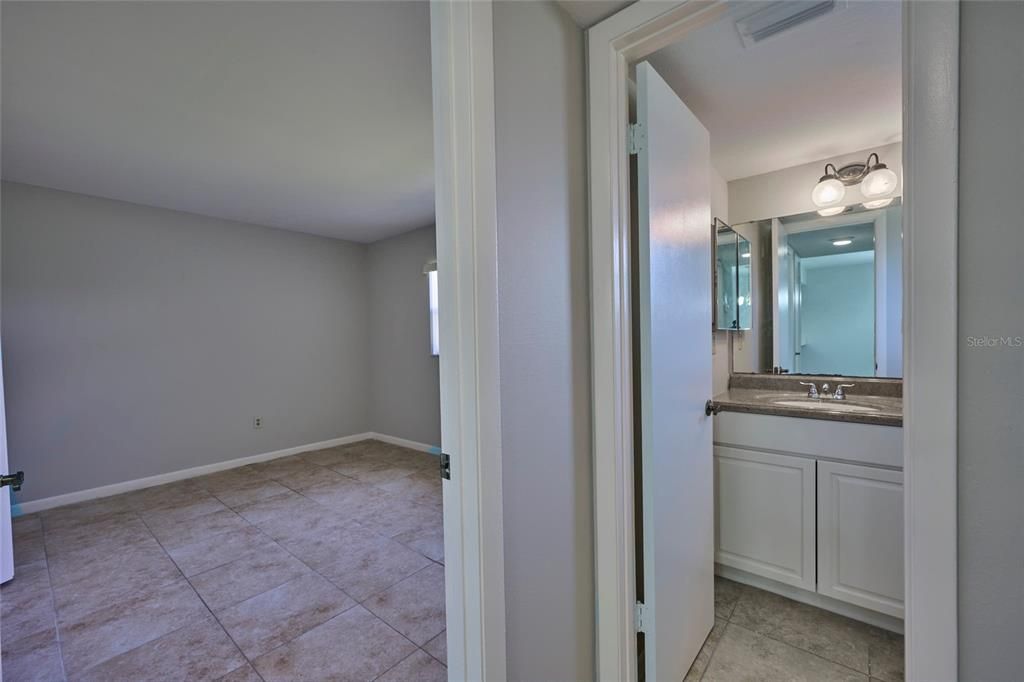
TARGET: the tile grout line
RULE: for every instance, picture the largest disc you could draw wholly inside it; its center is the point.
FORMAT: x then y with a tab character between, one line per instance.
53	598
776	639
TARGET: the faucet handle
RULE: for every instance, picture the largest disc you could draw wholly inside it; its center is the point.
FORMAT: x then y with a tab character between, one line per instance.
840	393
812	392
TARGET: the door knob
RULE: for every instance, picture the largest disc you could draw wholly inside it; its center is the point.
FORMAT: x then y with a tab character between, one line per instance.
13	480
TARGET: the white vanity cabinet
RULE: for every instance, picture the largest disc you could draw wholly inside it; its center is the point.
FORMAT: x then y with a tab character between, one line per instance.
764	514
812	504
860	536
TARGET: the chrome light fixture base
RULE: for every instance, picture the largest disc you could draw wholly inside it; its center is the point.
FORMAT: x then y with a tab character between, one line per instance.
853	173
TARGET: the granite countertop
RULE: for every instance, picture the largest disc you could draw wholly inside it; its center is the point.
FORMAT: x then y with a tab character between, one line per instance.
880	401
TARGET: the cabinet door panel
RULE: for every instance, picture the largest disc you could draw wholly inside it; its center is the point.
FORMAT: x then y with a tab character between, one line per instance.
860	536
764	514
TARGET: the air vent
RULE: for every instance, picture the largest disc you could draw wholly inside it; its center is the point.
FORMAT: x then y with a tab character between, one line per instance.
777	17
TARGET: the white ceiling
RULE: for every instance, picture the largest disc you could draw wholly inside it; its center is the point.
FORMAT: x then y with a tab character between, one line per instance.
313	117
586	13
824	88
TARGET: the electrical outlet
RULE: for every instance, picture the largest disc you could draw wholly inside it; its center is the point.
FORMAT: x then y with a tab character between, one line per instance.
257	422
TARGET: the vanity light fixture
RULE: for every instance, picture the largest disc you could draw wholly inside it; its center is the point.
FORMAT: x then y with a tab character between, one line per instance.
845	241
877	183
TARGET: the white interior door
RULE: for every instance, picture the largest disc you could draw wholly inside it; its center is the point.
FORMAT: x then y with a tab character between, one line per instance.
674	263
6	538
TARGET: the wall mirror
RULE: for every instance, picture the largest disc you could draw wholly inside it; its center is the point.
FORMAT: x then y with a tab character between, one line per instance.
732	284
825	294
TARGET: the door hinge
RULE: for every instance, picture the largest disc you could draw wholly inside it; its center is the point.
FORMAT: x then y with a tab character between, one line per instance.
636	137
446	466
639	616
13	480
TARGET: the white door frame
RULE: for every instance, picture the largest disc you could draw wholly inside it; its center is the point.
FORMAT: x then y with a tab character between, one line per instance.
931	101
462	70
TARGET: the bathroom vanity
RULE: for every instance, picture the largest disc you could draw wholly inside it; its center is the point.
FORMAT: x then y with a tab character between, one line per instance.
809	492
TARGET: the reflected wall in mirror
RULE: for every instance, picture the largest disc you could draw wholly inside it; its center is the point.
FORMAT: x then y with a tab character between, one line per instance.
833	295
732	285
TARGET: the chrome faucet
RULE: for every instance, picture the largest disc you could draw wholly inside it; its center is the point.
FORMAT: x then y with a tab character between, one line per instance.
812	392
826	390
840	393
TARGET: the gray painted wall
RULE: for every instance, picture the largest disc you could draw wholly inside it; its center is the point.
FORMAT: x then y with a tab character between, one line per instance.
139	341
405	393
543	313
991	428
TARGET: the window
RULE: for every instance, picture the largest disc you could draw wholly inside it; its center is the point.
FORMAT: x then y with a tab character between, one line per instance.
435	332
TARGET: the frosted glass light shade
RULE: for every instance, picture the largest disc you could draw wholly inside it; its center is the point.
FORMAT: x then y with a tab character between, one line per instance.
878	203
828	192
880	182
834	210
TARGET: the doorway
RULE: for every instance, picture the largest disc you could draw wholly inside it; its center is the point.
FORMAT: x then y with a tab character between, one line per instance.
631	36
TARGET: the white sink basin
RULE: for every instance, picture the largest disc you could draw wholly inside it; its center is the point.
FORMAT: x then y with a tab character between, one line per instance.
827	404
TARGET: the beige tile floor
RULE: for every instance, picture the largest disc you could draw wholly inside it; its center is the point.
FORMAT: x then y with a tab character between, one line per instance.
324	565
764	637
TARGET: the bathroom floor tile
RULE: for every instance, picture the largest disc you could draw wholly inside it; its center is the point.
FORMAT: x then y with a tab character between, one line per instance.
886	657
829	635
742	654
727	593
352	646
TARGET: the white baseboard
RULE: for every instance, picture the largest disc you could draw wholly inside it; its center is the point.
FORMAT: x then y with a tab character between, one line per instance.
411	444
150	481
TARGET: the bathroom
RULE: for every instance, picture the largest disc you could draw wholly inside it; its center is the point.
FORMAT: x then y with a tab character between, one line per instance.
793	127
